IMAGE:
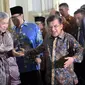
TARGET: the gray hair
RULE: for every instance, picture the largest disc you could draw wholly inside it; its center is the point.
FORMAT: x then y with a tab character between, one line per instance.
3	15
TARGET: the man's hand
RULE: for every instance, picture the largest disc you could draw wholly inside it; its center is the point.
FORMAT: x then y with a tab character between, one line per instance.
64	20
17	54
38	60
22	49
69	61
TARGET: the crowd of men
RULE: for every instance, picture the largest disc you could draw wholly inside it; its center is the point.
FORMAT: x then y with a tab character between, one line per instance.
48	52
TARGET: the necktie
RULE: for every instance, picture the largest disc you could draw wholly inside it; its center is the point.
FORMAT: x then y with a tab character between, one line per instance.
53	57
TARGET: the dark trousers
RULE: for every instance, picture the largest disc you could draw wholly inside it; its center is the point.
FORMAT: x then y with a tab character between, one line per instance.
43	72
80	71
31	78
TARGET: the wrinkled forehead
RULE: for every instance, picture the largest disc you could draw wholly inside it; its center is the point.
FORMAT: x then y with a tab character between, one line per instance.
54	22
4	20
78	15
15	14
63	8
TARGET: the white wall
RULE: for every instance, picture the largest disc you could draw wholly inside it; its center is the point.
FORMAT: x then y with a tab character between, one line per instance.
33	7
12	3
73	4
42	6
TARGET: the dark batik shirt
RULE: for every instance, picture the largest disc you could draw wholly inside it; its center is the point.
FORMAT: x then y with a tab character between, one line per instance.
64	43
6	44
65	46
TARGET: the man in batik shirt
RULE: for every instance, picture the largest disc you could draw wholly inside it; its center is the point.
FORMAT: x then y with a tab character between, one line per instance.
68	20
27	36
63	51
6	51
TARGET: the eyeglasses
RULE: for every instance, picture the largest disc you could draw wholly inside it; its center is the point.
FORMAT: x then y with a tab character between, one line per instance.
55	26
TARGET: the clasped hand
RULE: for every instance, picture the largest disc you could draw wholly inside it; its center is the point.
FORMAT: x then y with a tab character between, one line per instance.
69	61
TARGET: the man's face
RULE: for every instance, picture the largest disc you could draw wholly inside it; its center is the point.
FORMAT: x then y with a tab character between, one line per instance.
41	26
16	19
63	10
4	24
78	18
55	28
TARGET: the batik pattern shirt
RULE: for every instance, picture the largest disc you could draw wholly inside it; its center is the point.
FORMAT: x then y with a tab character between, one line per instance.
6	44
62	76
70	26
27	37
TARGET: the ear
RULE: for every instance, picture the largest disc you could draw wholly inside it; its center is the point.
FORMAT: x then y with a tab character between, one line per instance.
67	8
22	15
61	26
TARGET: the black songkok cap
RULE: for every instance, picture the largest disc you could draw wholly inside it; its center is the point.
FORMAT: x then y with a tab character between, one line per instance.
40	19
16	10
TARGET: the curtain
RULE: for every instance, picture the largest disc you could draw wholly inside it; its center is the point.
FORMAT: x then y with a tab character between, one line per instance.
4	6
